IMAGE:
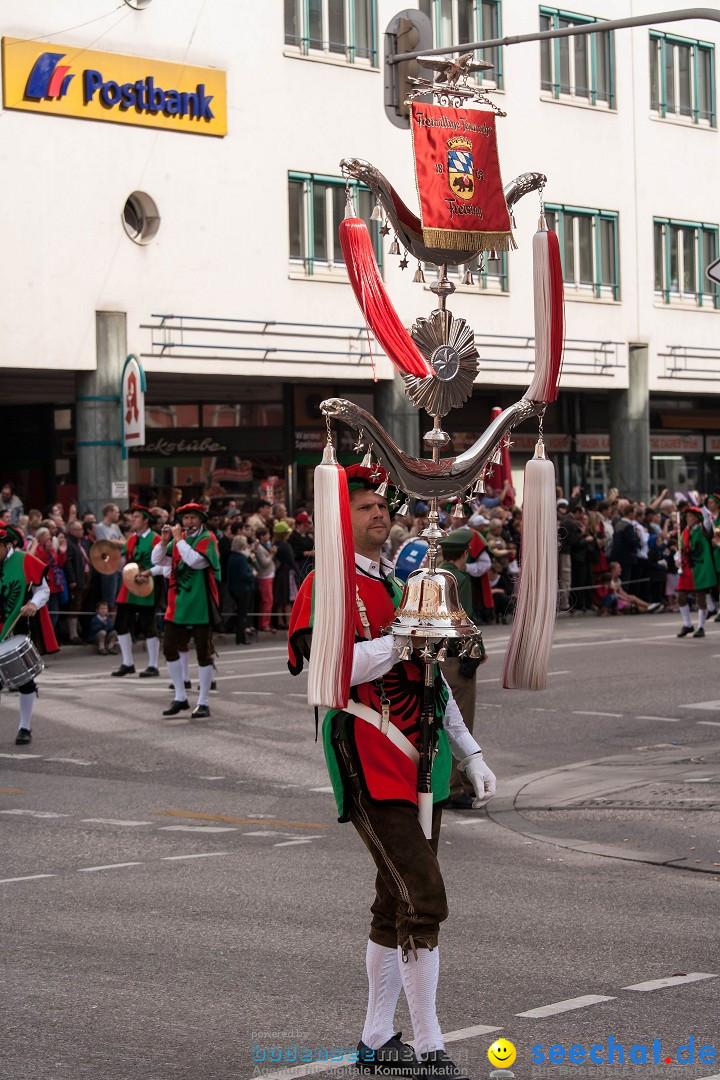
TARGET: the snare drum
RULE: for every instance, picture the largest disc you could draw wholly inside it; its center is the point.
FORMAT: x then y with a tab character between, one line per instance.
19	661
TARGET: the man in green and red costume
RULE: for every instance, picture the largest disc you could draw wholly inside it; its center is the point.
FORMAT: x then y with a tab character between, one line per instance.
697	567
371	749
191	553
138	612
24	593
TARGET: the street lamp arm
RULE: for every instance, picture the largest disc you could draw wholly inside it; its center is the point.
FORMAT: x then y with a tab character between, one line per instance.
604	26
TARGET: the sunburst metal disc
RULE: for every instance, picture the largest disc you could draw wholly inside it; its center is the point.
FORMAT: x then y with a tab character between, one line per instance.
448	344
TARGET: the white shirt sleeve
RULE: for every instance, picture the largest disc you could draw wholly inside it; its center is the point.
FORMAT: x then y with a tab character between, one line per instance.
191	557
40	594
372	659
159	555
480	566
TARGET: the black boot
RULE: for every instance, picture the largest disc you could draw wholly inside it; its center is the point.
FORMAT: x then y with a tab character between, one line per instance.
685	631
176	707
393	1058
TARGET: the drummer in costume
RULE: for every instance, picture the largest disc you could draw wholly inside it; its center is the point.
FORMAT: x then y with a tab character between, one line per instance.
24	593
191	553
371	754
697	567
136	612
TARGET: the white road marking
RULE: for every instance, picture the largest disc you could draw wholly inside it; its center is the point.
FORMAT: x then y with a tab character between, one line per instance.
671	980
589	712
259	693
565	1006
665	719
198	828
112	821
289	843
709	723
109	866
549	673
30	877
715	1076
488	680
21	757
487	705
263	832
700	780
323	790
469	1033
705	706
199	855
69	760
209	777
35	813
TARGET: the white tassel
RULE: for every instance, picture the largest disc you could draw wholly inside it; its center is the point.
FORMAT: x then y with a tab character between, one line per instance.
334	588
549	318
526	662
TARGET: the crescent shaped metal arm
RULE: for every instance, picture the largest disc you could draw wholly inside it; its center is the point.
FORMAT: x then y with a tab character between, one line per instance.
421	477
408	226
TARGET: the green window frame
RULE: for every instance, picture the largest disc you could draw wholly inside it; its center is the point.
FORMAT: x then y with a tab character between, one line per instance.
682	79
456	22
492	278
339	29
316	207
580	68
589	250
682	252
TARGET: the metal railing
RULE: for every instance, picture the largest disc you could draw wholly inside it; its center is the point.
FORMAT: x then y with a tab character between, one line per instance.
690	362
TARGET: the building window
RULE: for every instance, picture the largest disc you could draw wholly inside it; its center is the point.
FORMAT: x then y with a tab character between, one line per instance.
682	79
342	29
683	251
456	22
589	250
317	206
493	277
580	68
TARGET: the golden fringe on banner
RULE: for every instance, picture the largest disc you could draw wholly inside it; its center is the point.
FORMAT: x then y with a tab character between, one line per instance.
461	240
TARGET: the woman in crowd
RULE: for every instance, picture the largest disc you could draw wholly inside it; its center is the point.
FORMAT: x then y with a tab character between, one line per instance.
285	585
241	585
53	554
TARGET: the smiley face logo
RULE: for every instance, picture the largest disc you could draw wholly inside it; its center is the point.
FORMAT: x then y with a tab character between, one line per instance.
502	1054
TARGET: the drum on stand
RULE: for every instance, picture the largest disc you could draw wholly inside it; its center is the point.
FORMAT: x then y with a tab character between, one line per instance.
411	555
20	661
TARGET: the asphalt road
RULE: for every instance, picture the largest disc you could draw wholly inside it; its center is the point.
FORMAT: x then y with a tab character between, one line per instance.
179	901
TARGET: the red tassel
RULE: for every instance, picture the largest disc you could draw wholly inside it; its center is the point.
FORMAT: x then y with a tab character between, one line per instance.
549	316
375	304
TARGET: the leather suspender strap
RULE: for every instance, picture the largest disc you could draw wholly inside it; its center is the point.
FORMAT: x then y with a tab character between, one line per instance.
396	737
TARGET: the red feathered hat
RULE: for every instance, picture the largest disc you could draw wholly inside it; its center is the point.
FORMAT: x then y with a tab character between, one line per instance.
192	508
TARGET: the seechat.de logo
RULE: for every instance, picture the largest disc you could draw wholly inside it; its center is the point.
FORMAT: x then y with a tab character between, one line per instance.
49	78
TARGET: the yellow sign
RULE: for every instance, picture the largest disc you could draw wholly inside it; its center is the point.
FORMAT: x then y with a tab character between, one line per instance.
63	80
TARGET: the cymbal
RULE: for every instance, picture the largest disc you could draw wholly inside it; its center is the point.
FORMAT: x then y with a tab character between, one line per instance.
138	588
105	557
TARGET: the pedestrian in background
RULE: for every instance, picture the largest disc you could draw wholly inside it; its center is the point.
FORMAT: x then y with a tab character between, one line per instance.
241	586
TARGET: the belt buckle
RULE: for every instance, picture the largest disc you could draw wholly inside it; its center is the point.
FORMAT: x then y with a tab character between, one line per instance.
384	717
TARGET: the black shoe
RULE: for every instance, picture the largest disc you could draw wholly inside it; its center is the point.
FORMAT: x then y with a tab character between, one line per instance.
394	1058
124	669
176	707
187	685
437	1066
699	632
213	685
149	673
463	802
200	712
685	631
23	737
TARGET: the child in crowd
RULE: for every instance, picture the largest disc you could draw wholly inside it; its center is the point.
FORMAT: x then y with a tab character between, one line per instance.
624	602
102	630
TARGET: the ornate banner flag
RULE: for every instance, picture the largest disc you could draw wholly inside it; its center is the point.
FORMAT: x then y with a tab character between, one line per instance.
462	205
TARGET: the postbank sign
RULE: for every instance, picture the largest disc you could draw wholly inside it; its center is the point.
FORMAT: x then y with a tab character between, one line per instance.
63	80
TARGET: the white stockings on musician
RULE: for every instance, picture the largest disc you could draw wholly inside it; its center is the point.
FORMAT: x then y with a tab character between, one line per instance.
26	707
175	669
125	643
420	980
684	610
384	986
205	677
185	661
153	650
701	618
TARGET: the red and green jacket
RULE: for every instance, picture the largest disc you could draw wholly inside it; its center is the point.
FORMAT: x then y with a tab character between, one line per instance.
386	774
190	591
139	549
18	573
697	568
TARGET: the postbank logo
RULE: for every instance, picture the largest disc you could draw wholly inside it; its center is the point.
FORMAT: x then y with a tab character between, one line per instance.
460	167
64	81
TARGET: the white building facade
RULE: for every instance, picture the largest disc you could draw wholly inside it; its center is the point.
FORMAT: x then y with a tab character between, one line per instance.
207	246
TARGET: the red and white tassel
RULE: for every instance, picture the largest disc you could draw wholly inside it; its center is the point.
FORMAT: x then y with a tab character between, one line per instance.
549	315
526	661
334	602
375	304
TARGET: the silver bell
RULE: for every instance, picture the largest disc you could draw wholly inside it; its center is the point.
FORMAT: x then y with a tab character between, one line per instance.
377	212
406	651
497	456
442	652
419	277
394	248
475	651
404	509
382	489
479	488
468	278
493	255
458	513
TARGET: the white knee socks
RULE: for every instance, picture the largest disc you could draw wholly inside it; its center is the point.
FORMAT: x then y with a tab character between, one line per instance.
26	707
185	661
205	677
175	669
684	610
384	985
125	643
420	980
152	645
701	618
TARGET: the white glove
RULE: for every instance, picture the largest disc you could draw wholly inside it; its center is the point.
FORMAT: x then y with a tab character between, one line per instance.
481	777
